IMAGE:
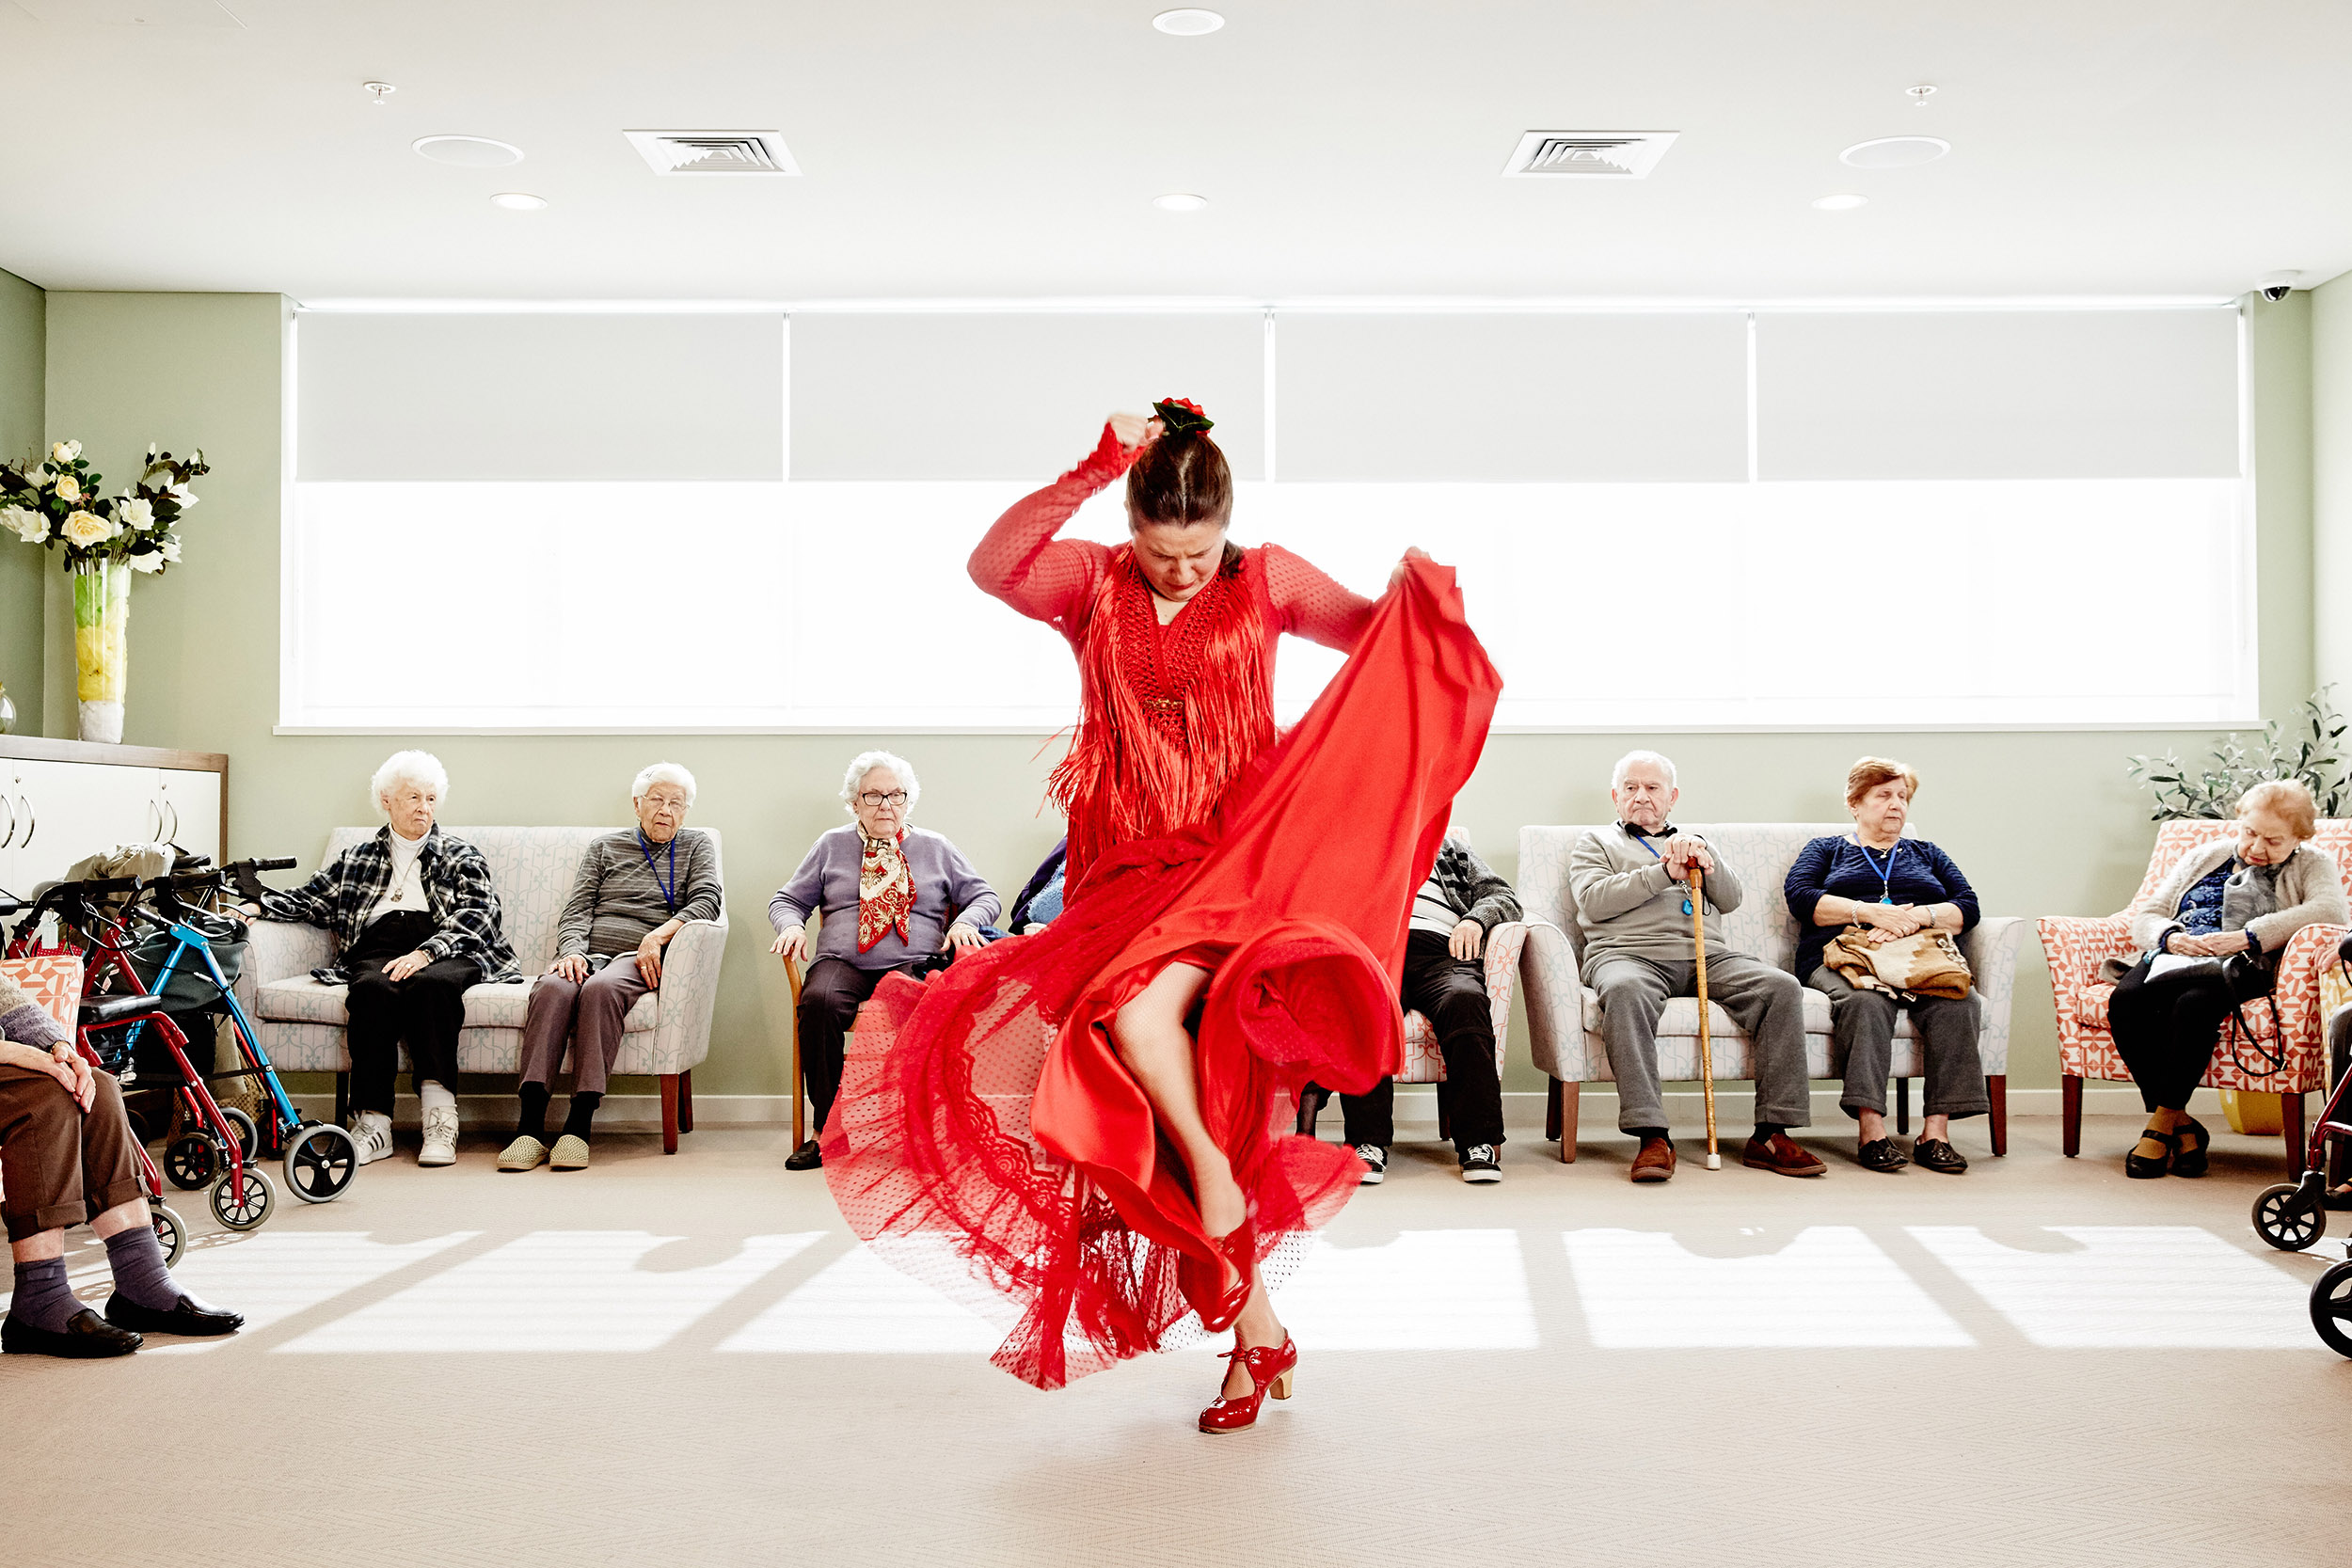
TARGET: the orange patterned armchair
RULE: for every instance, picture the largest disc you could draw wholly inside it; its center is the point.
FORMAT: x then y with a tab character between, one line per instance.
2075	948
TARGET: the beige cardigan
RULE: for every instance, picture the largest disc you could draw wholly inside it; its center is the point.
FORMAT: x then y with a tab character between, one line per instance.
2310	889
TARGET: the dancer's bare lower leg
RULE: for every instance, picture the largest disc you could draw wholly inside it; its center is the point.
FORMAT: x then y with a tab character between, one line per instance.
1158	1048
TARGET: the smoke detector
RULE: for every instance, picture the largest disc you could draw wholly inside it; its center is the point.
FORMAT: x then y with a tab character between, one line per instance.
1589	154
714	151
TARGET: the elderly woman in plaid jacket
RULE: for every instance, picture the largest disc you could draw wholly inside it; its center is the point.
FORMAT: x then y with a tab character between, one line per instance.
416	920
1454	912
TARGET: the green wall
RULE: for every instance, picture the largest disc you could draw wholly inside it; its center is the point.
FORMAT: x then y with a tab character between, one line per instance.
2045	822
22	347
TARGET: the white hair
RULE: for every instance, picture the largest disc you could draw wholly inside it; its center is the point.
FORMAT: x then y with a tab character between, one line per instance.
409	768
663	772
865	762
1664	763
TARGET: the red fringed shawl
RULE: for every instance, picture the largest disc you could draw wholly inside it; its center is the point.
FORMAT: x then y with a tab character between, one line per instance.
1170	716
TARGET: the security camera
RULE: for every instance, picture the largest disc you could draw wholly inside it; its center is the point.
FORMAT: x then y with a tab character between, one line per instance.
2278	285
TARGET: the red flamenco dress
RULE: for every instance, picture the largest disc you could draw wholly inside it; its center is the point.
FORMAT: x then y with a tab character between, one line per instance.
989	1140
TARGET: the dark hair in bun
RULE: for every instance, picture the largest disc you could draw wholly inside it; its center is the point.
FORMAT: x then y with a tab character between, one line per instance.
1181	477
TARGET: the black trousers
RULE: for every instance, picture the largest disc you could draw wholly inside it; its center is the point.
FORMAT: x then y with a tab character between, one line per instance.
1452	995
426	1009
830	998
2166	1029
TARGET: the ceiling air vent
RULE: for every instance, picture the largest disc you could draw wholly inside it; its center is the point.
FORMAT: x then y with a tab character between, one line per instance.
714	151
1590	154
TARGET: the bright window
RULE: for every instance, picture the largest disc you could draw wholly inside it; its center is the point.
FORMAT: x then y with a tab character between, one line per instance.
567	579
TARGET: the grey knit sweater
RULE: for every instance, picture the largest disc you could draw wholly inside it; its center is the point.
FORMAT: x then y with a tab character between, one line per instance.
616	898
1626	903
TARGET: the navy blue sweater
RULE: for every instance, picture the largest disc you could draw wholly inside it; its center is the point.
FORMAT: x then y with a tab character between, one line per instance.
1839	866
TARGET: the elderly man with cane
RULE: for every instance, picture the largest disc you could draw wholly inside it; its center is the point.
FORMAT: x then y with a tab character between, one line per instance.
1635	904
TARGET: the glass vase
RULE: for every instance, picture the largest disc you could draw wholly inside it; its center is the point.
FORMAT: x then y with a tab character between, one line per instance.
102	654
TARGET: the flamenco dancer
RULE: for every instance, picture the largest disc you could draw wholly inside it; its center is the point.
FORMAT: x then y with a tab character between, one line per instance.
1082	1128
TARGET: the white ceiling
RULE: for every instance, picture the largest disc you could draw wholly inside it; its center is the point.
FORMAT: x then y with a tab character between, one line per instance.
1011	148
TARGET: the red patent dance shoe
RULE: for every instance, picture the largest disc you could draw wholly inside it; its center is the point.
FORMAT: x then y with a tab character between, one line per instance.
1238	1250
1269	1368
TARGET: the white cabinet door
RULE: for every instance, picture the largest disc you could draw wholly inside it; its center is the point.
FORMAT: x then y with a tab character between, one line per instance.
77	809
190	806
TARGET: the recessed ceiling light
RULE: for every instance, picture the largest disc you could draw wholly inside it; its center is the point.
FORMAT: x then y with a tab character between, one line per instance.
468	151
518	201
1844	202
1894	152
1189	22
1180	201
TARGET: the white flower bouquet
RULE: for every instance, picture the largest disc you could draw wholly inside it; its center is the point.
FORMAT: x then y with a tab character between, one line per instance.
55	500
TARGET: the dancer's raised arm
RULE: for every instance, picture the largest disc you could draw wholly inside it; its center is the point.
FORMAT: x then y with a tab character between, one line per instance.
1020	561
1310	603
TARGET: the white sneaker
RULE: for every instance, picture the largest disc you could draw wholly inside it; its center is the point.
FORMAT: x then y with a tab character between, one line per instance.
372	1135
440	1137
1376	1161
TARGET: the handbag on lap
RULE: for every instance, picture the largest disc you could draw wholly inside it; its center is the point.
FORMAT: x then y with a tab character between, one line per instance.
1925	963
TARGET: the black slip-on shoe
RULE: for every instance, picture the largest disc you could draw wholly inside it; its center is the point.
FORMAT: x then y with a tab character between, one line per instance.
188	1317
85	1336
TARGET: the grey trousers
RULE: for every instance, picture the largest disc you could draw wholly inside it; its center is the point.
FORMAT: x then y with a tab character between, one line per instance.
1862	1024
1766	1003
591	1015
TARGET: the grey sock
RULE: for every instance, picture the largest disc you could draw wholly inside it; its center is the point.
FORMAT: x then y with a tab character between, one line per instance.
140	1276
42	1298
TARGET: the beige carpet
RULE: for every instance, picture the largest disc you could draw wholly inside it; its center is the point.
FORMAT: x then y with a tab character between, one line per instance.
684	1361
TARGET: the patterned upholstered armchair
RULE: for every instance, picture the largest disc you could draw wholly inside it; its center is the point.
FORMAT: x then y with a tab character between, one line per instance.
1563	1015
1424	1062
667	1033
2076	947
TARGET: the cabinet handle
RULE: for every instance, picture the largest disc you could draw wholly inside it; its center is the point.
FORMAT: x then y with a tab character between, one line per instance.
173	807
11	810
32	822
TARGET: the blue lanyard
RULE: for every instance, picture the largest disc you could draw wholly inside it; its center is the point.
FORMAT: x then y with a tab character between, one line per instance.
1887	872
1660	859
669	889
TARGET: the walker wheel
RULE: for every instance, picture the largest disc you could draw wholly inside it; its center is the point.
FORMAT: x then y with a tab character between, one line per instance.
191	1161
248	1135
246	1212
170	1234
320	1163
2331	1307
2281	1218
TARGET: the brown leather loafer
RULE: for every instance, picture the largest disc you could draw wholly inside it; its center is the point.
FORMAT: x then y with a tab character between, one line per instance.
1656	1161
1781	1156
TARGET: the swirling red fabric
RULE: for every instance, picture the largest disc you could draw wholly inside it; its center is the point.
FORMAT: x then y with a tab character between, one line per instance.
988	1139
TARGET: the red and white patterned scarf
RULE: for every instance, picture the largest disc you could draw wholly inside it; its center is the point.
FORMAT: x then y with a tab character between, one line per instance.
885	891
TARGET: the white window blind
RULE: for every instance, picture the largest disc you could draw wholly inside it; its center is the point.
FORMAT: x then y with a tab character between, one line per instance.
843	603
1513	397
942	396
2046	394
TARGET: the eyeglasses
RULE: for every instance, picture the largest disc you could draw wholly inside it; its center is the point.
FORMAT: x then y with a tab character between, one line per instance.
875	799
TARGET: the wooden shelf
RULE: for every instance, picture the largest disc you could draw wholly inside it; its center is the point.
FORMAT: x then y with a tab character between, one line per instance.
34	748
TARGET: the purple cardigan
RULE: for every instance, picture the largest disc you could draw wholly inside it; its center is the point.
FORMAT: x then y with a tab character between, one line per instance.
948	891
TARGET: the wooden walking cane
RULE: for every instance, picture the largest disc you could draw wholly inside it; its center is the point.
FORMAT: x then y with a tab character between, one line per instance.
1706	1052
792	973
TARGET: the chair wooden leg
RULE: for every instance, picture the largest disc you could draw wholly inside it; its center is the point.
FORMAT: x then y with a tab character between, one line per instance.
343	1098
1996	1091
669	1113
2290	1128
1309	1108
686	1101
1445	1117
1551	1109
1571	1102
2069	1115
1903	1107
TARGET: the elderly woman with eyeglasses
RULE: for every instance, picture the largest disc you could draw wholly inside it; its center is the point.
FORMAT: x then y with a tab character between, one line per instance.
891	896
